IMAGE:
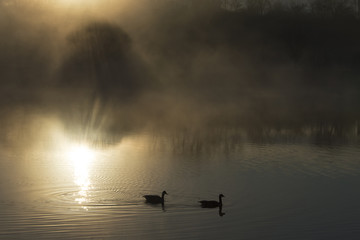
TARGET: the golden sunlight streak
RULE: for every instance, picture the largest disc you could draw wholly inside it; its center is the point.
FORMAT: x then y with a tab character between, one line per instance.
81	157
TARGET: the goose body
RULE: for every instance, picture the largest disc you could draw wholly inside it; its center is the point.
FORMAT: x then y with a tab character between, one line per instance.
155	198
212	203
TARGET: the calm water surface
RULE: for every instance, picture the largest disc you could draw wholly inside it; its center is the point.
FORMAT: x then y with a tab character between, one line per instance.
56	188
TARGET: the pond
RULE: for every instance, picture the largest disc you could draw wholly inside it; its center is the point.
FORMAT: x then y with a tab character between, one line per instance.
56	187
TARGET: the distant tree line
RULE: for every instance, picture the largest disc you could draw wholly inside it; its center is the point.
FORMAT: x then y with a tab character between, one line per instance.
316	7
323	8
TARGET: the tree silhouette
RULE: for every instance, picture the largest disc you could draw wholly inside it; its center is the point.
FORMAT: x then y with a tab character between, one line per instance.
330	8
258	6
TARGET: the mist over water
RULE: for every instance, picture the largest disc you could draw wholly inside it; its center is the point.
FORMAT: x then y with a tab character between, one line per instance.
122	66
102	102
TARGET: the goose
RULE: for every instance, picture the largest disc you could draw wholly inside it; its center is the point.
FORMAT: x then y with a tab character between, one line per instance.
155	198
212	204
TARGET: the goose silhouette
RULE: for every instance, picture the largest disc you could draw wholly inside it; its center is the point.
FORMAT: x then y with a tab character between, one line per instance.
212	203
155	199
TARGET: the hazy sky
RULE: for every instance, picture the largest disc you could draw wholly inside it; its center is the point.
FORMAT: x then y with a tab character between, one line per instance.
142	63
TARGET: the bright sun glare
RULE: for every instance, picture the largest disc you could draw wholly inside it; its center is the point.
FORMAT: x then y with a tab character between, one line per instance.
81	154
81	157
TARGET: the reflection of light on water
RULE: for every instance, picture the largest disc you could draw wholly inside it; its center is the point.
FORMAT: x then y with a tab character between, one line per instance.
81	158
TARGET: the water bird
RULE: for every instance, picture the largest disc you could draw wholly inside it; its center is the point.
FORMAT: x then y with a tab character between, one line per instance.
155	198
212	204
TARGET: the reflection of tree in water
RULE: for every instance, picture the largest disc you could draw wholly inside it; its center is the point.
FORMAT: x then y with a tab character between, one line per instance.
208	141
201	141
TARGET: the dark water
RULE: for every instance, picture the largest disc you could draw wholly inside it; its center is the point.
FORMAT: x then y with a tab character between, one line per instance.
54	188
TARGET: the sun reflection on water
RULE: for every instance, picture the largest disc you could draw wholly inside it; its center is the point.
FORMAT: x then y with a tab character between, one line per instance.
81	157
